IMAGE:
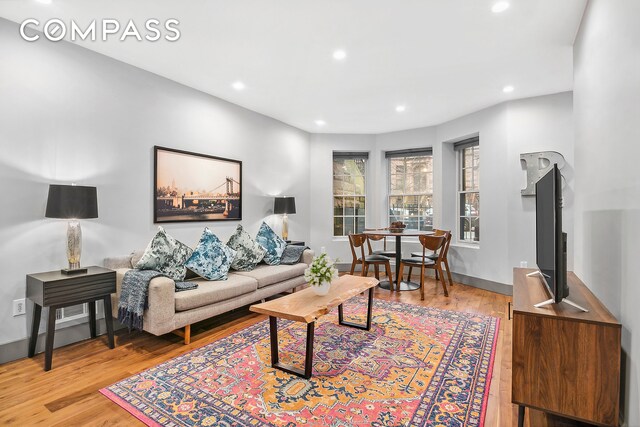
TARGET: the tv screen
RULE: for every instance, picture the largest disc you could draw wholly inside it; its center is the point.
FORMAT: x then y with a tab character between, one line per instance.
550	241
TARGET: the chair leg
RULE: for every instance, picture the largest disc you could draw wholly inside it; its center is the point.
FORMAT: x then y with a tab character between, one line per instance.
353	267
387	268
421	284
365	271
436	274
444	283
376	271
409	277
399	278
446	264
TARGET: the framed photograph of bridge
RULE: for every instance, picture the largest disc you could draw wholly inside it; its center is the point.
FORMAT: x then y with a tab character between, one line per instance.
192	187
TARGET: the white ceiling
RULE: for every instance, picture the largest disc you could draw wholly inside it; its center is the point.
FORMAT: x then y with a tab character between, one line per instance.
440	58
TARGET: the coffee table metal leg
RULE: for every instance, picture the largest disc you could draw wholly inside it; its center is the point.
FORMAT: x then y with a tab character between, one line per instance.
369	308
275	360
366	327
308	358
273	332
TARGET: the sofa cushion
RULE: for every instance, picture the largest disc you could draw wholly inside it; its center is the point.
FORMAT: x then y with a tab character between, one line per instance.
209	292
136	256
272	243
211	259
166	255
248	252
269	274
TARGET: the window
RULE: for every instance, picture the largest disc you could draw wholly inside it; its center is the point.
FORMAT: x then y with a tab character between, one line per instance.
348	192
411	188
468	190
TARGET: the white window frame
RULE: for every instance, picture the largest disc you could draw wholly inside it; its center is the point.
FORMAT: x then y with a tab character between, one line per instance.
351	155
460	148
424	152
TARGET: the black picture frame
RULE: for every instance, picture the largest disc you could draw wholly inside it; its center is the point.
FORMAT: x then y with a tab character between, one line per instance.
186	187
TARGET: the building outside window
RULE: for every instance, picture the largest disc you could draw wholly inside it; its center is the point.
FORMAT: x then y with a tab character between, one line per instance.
468	152
411	187
349	192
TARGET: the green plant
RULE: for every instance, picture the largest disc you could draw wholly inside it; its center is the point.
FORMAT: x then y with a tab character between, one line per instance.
322	269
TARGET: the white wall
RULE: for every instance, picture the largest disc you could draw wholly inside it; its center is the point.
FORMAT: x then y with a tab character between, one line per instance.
607	192
488	260
538	124
71	115
507	219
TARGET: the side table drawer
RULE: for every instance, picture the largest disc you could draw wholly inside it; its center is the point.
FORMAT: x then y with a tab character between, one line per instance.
80	289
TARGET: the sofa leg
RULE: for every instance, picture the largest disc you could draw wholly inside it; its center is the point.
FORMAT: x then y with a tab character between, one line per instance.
187	335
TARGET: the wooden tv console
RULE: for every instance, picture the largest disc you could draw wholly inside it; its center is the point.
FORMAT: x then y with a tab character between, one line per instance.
565	362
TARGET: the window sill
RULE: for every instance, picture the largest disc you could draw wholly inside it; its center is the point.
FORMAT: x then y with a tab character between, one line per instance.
466	245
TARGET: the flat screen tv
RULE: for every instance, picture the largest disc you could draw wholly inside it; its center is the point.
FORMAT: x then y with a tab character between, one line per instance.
551	242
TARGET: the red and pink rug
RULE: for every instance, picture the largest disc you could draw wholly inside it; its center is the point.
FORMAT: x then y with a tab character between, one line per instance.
418	366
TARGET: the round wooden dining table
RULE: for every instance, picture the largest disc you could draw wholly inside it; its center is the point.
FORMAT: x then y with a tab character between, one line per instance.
402	285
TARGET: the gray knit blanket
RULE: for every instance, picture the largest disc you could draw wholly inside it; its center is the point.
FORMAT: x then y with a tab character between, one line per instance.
292	254
134	296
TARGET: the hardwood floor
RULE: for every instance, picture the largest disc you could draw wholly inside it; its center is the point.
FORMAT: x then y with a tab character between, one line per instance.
68	394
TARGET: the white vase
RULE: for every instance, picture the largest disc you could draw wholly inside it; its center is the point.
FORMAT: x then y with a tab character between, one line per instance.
322	288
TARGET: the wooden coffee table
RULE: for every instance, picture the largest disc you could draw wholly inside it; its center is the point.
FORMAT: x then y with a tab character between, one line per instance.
307	307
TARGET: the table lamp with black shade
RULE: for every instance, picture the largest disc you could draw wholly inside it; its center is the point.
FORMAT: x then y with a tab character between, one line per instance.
284	206
72	202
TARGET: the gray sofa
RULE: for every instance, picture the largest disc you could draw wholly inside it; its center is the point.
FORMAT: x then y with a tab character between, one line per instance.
169	311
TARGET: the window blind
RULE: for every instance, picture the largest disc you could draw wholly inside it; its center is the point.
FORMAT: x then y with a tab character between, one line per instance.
350	155
466	143
427	151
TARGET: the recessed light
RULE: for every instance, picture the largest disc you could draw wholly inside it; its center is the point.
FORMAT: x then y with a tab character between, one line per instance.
339	55
401	108
320	122
500	6
238	85
508	89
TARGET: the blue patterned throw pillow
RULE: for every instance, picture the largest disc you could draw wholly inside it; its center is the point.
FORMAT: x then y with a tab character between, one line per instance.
166	255
211	259
272	243
249	252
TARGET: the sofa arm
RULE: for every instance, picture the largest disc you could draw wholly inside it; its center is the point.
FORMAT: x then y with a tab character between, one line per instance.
115	263
115	298
162	306
307	256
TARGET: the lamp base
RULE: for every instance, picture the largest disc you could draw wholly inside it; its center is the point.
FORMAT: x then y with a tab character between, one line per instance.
285	227
70	271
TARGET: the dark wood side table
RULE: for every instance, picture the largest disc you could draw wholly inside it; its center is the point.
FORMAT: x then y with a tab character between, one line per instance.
55	290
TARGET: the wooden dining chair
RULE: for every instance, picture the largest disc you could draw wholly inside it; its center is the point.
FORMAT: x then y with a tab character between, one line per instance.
429	243
445	250
357	242
376	238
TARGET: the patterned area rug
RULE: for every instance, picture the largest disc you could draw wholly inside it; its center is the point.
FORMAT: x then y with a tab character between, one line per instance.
418	366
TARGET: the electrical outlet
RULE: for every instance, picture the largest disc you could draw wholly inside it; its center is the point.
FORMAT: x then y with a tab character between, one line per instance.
19	307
